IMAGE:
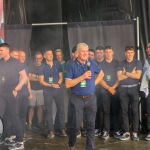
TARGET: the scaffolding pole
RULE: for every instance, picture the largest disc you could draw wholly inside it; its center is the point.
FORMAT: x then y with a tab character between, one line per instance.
49	24
138	57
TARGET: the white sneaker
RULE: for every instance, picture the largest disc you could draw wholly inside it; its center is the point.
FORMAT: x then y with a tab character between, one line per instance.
9	142
105	135
147	137
16	146
79	134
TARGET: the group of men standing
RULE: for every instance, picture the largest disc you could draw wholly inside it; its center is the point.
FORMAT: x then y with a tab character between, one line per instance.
116	82
22	86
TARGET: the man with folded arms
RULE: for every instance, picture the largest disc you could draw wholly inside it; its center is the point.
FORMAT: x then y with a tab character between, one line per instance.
129	73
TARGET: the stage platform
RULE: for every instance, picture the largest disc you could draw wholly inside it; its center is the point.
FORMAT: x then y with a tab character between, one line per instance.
39	142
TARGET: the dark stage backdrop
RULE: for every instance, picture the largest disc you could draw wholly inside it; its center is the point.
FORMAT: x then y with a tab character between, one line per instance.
118	34
19	37
46	37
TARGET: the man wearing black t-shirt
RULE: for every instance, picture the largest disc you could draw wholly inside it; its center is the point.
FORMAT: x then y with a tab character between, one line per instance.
129	73
37	91
10	83
109	92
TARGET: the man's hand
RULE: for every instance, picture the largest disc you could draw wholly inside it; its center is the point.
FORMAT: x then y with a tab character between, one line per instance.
87	75
14	93
56	86
30	96
124	70
111	90
134	70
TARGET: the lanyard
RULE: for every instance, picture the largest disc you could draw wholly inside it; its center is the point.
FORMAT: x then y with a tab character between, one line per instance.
79	67
107	67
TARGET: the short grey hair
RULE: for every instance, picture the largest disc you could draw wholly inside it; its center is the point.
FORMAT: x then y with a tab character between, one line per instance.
148	45
82	44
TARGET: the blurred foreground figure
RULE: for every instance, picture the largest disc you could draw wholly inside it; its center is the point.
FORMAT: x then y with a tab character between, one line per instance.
145	87
12	78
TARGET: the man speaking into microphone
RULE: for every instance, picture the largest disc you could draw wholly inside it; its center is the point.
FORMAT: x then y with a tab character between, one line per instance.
80	77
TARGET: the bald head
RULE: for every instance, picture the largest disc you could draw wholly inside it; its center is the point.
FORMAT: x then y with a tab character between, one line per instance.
21	56
14	53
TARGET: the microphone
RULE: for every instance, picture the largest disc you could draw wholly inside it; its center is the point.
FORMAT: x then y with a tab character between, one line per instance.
88	65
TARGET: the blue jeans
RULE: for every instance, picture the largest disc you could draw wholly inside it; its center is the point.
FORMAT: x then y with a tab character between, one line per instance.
79	108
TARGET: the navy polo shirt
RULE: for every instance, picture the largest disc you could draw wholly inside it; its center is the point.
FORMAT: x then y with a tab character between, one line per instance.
50	72
9	74
110	71
24	90
76	69
129	66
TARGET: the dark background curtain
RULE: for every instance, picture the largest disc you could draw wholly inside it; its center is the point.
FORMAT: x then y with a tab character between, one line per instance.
29	11
19	36
117	34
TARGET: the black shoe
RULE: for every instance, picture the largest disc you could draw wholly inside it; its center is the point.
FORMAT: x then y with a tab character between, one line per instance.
40	125
83	132
63	133
117	134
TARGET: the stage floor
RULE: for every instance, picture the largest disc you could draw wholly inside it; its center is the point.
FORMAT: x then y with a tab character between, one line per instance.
39	142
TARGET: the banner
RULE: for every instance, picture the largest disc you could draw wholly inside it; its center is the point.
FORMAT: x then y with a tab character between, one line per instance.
1	22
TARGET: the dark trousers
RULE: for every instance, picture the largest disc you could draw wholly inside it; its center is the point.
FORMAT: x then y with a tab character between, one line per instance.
23	104
11	115
58	98
99	113
131	95
111	106
69	108
79	108
148	111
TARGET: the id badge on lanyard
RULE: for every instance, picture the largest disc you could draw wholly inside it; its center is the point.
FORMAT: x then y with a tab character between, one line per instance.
108	77
50	80
83	83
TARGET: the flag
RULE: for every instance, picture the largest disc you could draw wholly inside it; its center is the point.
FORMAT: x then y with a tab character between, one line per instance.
145	78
